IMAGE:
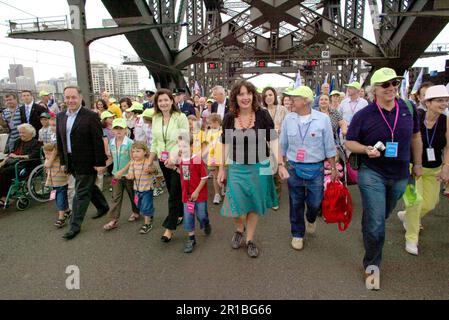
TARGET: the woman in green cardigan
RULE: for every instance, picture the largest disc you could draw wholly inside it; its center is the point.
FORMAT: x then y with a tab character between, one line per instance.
168	123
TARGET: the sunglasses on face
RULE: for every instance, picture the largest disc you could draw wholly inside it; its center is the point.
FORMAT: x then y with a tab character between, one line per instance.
386	85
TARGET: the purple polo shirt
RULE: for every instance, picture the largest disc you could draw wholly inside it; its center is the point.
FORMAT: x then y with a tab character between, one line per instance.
368	127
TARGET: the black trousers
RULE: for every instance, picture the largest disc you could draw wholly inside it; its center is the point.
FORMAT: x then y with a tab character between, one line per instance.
85	192
175	206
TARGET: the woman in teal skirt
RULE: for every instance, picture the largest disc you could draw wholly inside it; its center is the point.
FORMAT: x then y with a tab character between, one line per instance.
248	135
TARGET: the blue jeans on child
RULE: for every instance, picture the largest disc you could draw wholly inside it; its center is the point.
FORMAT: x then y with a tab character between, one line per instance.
302	192
379	198
145	202
200	213
62	202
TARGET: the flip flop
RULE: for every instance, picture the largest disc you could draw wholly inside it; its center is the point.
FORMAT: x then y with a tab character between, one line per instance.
111	225
133	218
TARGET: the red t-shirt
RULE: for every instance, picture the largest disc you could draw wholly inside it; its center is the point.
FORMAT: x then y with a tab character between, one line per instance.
192	172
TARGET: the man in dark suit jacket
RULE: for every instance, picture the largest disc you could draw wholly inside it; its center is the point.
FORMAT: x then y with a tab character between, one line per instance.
185	107
30	112
220	100
81	149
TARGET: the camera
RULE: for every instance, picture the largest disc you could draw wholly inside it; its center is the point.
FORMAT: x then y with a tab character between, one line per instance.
379	146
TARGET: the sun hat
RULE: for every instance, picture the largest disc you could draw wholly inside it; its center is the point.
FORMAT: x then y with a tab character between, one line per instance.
302	91
106	114
119	122
438	91
355	85
383	75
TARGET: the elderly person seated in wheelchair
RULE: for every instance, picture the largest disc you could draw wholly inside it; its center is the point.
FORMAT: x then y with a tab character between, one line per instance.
25	148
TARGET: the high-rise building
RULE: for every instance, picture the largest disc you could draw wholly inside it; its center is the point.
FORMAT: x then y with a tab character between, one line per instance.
15	70
127	82
102	78
25	83
29	72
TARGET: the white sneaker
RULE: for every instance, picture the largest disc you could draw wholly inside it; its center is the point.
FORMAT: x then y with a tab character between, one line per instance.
310	227
297	243
217	199
401	216
276	208
411	248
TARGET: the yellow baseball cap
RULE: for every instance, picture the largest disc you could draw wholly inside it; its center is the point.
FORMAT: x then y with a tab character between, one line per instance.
43	93
140	95
148	113
334	93
112	100
383	75
302	91
355	85
106	114
120	122
135	106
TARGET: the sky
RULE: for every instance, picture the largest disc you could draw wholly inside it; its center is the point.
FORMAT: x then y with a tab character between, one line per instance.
53	58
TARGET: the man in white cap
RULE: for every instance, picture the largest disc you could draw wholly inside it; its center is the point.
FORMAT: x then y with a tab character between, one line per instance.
353	103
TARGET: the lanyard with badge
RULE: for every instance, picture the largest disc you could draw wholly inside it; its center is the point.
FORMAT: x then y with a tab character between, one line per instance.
301	152
114	181
431	151
164	154
391	150
186	175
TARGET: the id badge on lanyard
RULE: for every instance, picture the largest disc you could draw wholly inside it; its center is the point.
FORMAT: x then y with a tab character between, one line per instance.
392	147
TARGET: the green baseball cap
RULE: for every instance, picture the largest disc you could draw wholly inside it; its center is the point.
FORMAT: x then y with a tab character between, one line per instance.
148	113
355	85
43	93
135	106
259	90
119	122
106	114
210	100
140	95
383	75
302	91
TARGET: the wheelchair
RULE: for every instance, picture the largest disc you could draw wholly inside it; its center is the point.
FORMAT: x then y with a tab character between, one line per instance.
28	184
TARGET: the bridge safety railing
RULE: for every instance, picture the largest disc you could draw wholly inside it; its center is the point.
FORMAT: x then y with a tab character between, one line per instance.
38	24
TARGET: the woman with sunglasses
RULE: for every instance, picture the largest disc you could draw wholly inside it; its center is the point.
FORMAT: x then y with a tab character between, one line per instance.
384	172
435	160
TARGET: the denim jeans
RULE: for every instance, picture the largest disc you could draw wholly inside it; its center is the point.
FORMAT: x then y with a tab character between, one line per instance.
200	213
302	192
145	202
62	202
379	198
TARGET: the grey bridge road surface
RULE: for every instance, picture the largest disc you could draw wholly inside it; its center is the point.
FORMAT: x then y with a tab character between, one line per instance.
123	264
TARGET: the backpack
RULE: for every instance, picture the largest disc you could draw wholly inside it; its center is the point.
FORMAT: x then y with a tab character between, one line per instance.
337	205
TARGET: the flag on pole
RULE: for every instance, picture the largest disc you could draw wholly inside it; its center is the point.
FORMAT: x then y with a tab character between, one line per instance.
197	88
317	90
326	78
404	88
351	77
418	82
298	79
331	87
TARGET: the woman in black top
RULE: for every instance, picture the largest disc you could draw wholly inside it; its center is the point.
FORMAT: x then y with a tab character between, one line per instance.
435	161
247	131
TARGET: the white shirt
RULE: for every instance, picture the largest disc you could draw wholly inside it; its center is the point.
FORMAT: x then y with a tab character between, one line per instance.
221	109
349	108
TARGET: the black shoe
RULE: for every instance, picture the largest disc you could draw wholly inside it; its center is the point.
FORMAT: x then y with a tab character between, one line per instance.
190	244
165	239
207	229
70	235
253	252
100	214
146	228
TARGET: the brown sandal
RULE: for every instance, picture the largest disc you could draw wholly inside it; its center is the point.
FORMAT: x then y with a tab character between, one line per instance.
110	225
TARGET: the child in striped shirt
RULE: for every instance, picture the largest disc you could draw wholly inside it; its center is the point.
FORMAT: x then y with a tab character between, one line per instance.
144	178
58	180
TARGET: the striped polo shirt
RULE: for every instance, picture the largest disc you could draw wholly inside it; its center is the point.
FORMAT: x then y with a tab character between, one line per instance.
142	181
13	121
56	177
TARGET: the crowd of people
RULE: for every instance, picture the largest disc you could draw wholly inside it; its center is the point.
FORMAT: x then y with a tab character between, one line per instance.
247	141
